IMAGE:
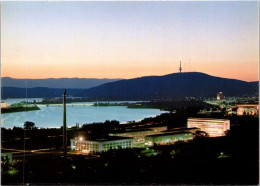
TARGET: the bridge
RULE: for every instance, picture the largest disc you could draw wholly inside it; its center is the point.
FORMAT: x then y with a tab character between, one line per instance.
68	105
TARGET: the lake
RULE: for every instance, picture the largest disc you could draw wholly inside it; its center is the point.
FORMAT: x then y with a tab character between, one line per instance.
51	116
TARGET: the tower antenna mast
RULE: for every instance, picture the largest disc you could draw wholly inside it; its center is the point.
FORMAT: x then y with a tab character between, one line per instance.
180	67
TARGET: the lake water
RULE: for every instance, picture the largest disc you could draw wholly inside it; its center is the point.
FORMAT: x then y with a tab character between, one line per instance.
51	116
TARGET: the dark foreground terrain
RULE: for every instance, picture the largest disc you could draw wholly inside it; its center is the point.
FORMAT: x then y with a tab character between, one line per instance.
232	159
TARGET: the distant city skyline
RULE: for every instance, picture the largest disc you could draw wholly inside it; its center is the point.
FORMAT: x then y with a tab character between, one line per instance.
129	39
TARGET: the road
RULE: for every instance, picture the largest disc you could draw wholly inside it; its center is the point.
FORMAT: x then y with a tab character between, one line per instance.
17	153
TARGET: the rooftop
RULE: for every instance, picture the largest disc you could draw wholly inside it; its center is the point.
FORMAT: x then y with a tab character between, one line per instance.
247	105
168	134
208	119
129	131
180	129
107	138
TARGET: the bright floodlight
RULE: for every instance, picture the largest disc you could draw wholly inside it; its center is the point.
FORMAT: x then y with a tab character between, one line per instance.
80	139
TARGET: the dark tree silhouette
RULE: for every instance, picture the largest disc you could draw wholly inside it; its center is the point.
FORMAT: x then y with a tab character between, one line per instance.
28	125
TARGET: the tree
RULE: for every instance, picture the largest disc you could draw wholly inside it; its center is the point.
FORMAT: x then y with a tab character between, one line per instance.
5	165
28	125
201	134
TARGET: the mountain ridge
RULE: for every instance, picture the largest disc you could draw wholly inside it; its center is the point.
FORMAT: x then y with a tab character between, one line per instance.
171	85
54	82
175	84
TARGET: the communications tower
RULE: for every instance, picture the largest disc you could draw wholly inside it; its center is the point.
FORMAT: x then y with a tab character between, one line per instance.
180	67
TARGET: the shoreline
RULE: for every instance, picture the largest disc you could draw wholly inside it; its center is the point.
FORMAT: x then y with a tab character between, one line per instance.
8	110
72	126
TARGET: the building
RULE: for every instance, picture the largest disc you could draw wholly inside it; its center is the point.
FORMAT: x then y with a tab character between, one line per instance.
232	110
3	104
138	135
214	127
169	138
248	109
182	129
220	96
79	144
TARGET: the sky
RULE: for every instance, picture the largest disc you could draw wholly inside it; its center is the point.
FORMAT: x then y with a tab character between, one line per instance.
129	39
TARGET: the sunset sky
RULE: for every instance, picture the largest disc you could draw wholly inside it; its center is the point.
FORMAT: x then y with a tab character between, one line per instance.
129	39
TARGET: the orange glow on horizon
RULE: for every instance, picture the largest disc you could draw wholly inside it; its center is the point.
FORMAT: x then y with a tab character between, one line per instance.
41	71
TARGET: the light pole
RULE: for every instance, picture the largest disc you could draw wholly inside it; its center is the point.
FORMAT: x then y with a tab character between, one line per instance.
64	127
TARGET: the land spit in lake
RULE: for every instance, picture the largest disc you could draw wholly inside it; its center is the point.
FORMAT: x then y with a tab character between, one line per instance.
24	108
19	107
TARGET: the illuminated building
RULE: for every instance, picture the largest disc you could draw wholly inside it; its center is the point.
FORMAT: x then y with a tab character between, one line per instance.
220	96
3	104
98	145
139	134
248	109
232	110
169	138
214	127
182	129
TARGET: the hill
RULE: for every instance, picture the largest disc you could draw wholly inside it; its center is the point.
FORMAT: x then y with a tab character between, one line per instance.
175	85
172	85
37	92
77	83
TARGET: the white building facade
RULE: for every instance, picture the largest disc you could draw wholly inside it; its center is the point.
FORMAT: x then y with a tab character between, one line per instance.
99	145
248	109
139	134
169	138
214	127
